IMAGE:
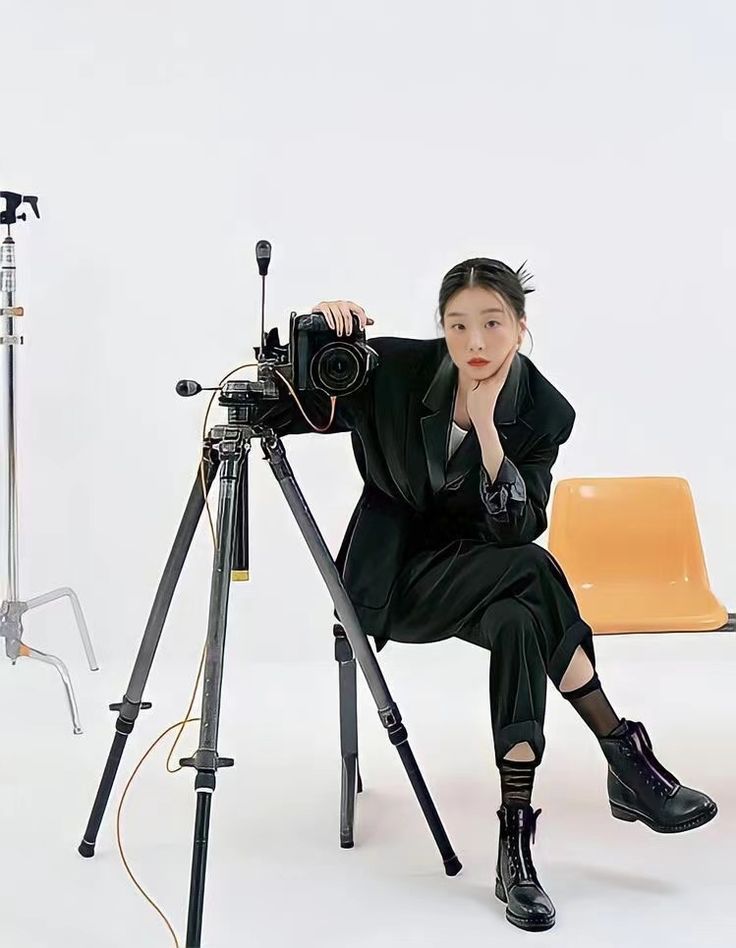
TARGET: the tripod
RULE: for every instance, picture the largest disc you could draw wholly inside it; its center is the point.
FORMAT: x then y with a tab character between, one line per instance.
227	447
13	608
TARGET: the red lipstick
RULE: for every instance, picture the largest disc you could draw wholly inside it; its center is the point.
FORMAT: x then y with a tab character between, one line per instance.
478	362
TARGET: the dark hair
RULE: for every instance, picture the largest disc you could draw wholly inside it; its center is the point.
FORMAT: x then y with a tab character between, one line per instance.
493	274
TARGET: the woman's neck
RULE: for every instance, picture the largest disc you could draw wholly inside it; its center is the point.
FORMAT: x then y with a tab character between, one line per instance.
460	412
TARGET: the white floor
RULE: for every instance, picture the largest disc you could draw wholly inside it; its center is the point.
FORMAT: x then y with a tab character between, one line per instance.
277	875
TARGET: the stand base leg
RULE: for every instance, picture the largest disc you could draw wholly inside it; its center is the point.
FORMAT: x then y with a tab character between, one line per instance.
66	592
11	629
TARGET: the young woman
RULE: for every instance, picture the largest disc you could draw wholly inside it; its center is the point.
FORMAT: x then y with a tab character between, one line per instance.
455	439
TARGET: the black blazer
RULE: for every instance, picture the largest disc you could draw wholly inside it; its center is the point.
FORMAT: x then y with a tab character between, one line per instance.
412	499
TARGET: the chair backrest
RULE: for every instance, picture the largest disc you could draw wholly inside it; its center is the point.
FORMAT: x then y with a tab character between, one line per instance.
623	529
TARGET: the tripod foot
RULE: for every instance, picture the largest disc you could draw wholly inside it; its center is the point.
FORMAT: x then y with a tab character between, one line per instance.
86	849
452	866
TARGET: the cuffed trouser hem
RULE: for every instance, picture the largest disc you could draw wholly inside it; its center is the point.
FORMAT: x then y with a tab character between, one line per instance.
517	733
579	633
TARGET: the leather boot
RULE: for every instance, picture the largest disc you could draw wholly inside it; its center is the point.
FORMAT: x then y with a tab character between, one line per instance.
640	788
529	906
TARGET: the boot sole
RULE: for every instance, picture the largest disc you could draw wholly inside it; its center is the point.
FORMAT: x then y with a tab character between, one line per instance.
631	816
528	924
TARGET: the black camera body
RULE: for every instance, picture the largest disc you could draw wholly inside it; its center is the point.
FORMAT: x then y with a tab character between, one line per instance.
317	358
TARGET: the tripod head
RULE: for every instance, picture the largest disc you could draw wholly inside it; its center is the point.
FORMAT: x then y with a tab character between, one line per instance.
244	399
312	359
13	201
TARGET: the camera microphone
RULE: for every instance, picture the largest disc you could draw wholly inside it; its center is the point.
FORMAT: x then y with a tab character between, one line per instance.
263	259
263	256
187	387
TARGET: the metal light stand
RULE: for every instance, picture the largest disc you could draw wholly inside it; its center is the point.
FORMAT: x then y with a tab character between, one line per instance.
11	612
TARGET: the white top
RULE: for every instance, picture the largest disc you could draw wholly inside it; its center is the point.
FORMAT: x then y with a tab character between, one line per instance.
456	436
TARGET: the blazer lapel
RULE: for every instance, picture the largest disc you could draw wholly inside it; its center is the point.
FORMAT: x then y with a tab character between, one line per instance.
439	399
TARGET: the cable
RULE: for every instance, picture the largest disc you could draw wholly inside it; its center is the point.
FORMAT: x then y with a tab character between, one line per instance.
187	720
119	839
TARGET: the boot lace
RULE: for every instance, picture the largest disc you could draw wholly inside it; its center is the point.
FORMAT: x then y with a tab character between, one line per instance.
637	746
518	834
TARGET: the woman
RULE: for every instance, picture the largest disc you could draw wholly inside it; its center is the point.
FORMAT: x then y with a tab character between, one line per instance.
455	439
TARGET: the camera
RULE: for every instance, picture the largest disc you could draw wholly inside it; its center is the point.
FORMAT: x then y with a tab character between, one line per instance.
316	358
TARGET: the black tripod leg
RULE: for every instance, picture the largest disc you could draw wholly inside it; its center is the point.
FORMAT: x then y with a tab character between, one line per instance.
206	760
387	708
131	704
348	736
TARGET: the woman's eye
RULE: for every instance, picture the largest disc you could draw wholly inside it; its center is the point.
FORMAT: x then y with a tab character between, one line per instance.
491	322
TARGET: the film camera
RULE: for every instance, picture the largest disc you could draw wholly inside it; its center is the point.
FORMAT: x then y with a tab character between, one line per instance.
314	359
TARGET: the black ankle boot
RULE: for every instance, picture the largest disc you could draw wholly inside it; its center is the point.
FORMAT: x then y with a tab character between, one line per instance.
529	906
639	787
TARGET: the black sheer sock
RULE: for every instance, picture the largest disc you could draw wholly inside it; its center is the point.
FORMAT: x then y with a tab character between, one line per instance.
593	707
517	780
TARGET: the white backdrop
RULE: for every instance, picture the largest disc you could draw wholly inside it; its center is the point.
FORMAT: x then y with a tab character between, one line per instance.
375	146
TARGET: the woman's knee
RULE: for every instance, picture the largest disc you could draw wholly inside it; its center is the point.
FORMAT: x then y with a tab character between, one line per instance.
508	628
507	617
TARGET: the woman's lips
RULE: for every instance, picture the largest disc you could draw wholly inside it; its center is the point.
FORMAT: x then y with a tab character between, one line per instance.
478	362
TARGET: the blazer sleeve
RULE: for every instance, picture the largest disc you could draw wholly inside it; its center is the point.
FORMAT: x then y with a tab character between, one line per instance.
515	503
285	417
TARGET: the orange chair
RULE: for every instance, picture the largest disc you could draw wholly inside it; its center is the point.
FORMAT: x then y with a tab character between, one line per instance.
630	549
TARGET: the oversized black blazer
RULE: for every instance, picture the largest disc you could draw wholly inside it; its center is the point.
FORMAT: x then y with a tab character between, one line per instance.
412	499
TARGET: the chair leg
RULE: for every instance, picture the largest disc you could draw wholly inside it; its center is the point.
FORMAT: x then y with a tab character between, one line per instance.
351	782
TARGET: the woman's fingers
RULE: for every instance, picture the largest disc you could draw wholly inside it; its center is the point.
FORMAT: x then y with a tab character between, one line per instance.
333	315
359	312
346	319
363	318
339	315
324	308
350	307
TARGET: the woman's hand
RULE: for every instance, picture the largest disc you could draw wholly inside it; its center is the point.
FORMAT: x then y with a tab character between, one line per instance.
338	314
481	400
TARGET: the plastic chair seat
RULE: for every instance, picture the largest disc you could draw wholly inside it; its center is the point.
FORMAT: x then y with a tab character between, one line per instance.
630	548
650	607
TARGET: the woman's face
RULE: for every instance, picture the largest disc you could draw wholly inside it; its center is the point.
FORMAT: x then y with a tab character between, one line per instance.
480	325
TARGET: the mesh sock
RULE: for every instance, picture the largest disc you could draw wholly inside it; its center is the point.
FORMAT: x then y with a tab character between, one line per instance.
594	708
517	779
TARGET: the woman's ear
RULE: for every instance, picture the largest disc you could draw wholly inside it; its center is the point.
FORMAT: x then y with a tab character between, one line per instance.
522	330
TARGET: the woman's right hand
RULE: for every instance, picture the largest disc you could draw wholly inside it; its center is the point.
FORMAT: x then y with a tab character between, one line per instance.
338	314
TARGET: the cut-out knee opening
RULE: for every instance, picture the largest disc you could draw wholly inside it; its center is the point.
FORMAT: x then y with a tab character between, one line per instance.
521	753
579	671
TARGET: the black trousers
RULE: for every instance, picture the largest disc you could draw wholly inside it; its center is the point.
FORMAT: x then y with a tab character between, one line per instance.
514	601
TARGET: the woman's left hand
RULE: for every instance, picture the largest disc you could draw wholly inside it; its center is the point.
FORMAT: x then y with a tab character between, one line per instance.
481	400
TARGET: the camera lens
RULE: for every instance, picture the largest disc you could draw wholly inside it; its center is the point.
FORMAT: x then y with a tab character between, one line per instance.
336	367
